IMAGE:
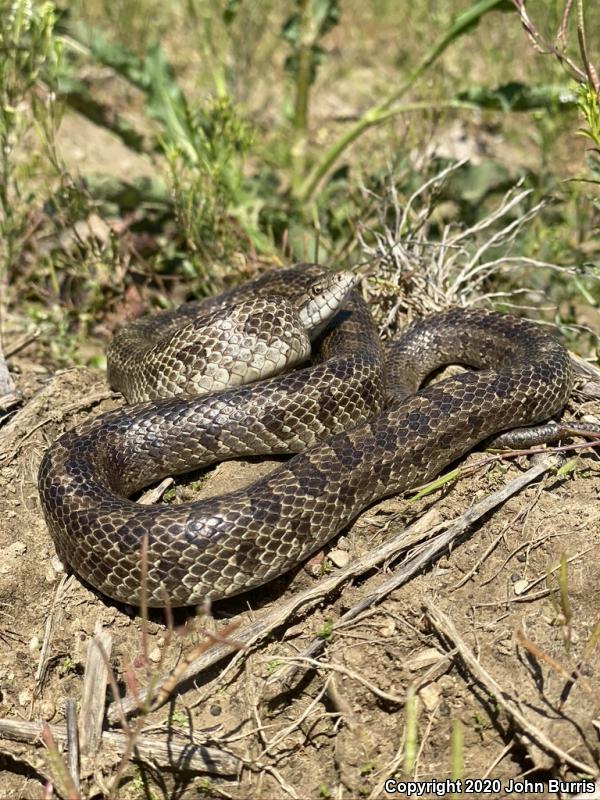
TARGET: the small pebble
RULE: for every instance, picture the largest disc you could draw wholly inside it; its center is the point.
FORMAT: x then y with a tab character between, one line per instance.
314	564
215	710
388	628
49	574
339	558
520	586
34	644
155	655
47	710
57	565
24	697
18	548
430	696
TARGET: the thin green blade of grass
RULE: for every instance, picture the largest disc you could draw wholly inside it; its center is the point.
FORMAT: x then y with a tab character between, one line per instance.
591	643
436	484
570	466
456	752
410	727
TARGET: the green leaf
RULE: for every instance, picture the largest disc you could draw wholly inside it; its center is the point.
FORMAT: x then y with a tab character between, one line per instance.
435	484
165	100
517	96
570	466
231	10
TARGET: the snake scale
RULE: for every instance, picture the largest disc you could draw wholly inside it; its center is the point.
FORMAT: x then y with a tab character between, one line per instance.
354	419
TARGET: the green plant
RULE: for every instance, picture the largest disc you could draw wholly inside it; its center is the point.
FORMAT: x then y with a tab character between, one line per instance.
367	768
29	53
179	718
203	786
326	630
303	30
204	171
559	597
390	107
456	750
206	144
584	72
66	666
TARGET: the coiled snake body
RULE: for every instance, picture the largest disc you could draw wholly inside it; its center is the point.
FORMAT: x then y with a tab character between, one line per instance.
359	431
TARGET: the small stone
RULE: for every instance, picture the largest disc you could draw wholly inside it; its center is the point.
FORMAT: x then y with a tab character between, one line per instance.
155	655
57	565
18	548
24	697
314	564
388	629
339	558
47	710
34	644
430	696
520	586
215	709
49	574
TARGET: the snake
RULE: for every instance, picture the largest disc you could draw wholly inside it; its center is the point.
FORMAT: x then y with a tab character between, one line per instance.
290	363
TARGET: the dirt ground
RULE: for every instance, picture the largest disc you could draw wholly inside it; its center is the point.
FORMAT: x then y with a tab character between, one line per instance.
342	729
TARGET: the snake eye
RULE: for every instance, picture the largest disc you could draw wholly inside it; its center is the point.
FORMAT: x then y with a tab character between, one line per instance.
317	290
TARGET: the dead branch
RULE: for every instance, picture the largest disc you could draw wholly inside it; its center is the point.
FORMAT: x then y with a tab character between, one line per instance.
164	753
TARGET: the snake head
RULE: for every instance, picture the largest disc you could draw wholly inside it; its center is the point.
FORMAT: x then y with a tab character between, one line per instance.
323	298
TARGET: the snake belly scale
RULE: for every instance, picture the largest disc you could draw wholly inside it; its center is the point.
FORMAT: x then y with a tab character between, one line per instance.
354	419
